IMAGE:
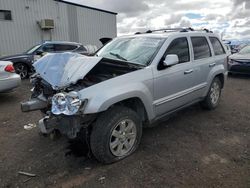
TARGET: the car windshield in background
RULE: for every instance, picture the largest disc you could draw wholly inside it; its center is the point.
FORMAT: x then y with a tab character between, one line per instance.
138	50
33	49
245	50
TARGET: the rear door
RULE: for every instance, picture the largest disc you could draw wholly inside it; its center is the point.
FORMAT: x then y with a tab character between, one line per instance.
203	59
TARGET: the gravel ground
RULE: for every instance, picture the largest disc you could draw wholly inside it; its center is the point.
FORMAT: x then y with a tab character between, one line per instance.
195	148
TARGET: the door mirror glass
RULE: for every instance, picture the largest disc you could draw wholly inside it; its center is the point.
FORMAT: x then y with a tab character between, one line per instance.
170	60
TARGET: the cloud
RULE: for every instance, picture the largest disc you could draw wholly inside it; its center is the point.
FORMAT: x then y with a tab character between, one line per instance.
227	17
174	18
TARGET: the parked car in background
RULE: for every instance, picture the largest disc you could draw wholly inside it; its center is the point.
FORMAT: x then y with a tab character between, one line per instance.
239	63
23	62
133	81
228	49
8	78
237	48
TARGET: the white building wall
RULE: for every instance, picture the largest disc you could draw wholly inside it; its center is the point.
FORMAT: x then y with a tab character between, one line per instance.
23	31
94	25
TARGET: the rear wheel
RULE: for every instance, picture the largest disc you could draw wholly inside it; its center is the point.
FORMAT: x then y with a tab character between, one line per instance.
213	97
116	134
22	70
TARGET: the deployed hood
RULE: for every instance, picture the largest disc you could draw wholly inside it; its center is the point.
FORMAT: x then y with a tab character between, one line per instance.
62	69
241	57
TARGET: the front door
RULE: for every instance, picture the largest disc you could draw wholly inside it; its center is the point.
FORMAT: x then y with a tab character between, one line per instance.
174	86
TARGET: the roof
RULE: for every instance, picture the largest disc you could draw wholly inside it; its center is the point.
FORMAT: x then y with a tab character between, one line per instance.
61	42
83	6
163	33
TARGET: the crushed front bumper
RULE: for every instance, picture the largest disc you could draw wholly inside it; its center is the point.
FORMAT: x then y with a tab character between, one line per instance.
67	125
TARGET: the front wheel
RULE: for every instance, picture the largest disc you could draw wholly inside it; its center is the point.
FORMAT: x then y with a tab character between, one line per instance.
213	97
116	134
22	70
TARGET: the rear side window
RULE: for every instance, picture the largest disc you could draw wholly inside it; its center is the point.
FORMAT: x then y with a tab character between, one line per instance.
64	47
179	47
201	48
217	46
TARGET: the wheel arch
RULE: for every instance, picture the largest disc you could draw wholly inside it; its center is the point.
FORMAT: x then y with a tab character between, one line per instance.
221	78
136	104
22	62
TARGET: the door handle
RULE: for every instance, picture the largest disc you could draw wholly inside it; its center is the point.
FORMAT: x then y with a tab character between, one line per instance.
212	64
189	71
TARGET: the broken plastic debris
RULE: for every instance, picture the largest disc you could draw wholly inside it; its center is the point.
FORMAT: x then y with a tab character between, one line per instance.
29	126
102	178
27	174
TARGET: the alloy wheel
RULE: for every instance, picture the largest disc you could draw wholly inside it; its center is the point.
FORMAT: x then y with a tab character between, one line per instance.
123	138
22	70
215	93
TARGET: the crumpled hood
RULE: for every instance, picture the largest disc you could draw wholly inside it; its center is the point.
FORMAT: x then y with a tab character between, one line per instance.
241	57
62	69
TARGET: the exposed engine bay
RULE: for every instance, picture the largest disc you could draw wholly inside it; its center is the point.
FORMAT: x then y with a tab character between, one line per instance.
106	69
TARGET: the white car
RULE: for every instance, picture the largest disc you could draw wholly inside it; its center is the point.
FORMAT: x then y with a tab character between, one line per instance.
8	78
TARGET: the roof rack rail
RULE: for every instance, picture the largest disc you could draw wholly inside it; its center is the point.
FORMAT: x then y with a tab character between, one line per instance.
174	29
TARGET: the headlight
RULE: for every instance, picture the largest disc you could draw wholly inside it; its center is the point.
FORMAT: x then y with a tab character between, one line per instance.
67	104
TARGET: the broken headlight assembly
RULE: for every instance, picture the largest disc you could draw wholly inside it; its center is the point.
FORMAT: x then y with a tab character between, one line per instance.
66	103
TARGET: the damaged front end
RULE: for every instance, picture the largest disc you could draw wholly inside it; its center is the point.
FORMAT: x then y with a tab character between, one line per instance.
56	86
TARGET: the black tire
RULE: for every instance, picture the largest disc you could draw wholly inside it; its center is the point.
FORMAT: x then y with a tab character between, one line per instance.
208	103
100	138
22	70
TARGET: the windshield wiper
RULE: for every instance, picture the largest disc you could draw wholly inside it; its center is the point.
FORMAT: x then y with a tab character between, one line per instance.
118	56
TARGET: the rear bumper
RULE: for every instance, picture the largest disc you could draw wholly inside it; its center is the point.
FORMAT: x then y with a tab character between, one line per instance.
10	82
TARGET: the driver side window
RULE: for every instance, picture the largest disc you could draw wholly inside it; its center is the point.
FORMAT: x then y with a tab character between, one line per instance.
179	47
49	48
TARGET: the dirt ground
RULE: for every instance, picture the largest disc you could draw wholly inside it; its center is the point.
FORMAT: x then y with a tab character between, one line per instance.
195	148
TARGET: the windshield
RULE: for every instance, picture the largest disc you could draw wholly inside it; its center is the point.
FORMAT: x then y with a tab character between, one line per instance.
33	49
138	50
245	50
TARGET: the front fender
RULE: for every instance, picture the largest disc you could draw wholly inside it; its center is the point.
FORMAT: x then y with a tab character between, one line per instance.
107	98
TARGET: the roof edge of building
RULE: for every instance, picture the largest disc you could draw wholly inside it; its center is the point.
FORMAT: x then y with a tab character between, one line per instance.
83	6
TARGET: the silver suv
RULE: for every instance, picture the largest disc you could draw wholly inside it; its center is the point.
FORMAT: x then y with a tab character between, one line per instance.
132	82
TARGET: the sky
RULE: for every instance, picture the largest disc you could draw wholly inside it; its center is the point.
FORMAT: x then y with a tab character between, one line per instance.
228	18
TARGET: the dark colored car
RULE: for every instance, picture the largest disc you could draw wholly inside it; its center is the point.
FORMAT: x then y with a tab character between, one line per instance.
239	63
23	62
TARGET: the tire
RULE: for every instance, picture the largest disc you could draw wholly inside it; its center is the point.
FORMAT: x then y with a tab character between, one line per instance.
213	97
22	70
116	134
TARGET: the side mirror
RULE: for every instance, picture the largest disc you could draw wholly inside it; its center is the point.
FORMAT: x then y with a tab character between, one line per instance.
170	60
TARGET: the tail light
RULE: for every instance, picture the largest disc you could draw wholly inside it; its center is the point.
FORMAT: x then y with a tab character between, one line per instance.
9	68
